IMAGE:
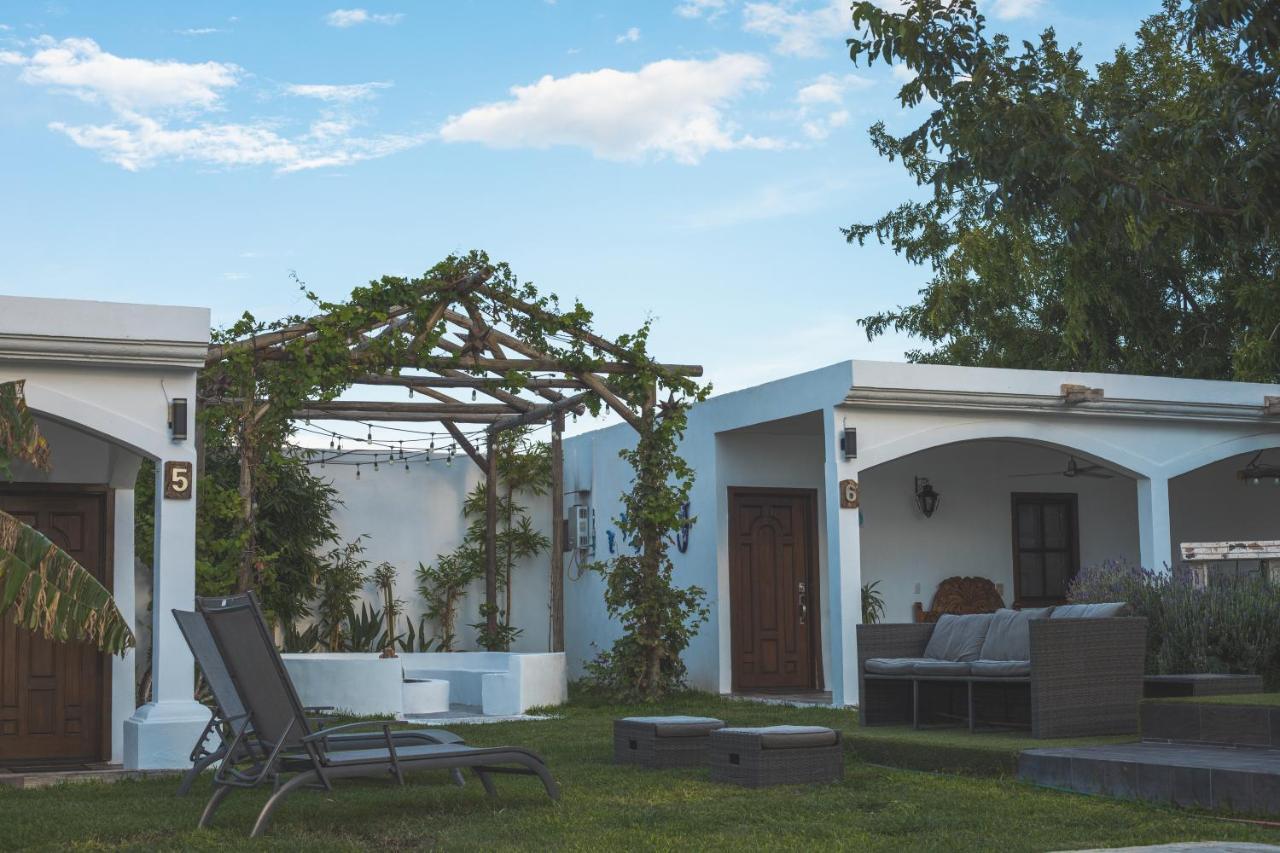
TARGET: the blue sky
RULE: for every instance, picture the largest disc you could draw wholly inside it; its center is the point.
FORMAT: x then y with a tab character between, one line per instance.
687	159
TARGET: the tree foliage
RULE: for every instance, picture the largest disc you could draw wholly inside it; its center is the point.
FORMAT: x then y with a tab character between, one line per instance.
20	440
1122	219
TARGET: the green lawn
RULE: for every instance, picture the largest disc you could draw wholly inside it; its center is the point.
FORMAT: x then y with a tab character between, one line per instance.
608	807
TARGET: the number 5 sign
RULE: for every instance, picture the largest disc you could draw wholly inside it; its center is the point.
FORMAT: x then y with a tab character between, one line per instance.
177	481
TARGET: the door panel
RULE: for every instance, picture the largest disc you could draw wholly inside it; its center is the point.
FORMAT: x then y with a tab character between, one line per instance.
52	694
772	589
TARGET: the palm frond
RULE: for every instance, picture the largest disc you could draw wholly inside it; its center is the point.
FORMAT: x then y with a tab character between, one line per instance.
19	438
49	592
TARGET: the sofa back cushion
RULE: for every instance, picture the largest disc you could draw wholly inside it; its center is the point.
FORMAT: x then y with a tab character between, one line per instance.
1008	637
1089	611
958	637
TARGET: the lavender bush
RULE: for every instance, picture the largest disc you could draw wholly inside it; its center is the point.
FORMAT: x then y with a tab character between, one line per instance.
1232	625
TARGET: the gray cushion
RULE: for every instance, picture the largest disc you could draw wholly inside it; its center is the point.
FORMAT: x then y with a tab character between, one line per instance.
1000	668
789	737
958	637
891	666
1089	611
940	667
1009	637
678	726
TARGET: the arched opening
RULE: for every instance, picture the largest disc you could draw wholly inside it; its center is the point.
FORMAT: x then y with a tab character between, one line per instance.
1024	514
1235	499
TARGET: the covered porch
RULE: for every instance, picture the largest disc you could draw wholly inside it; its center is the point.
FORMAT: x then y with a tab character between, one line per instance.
102	382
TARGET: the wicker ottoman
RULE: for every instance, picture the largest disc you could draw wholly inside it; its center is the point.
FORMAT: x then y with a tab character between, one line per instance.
663	741
777	755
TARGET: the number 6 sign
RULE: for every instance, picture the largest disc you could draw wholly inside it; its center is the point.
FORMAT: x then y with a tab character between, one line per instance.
177	481
849	494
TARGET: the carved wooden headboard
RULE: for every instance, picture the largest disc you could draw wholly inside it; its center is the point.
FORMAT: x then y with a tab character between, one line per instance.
960	595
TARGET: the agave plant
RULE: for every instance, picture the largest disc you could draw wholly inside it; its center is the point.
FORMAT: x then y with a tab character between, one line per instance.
44	588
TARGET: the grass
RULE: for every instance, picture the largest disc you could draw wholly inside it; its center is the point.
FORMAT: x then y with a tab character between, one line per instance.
609	807
1267	699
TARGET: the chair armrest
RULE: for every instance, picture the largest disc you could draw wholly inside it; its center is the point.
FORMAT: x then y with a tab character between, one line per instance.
892	640
325	734
1086	675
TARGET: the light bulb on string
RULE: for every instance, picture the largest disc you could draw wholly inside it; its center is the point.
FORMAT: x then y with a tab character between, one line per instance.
375	462
473	395
357	470
331	441
369	440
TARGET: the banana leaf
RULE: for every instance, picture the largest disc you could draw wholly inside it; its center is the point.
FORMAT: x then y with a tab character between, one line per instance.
19	437
50	593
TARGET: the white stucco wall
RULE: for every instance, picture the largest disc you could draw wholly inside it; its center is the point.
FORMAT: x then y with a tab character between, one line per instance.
416	515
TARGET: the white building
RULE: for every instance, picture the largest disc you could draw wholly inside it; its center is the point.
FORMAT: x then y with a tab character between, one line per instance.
100	379
1011	456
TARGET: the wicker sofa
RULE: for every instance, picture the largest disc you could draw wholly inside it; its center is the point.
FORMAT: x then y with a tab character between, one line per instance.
1083	676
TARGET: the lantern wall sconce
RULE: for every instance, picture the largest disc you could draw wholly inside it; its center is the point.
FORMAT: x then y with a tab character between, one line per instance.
178	418
1258	472
927	499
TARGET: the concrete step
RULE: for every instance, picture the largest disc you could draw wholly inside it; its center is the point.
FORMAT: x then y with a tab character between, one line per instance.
1244	781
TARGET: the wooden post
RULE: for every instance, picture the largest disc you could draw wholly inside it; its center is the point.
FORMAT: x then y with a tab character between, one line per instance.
557	534
491	537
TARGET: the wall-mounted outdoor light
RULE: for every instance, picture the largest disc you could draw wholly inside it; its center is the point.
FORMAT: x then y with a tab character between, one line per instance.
849	443
178	418
926	498
682	535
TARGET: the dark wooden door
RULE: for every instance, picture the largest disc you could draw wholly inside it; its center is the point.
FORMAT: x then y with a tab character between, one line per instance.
53	695
773	592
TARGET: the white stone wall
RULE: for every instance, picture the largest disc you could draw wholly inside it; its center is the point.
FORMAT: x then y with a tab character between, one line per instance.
416	515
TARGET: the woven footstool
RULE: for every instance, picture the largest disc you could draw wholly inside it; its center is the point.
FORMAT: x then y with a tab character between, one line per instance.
776	755
663	741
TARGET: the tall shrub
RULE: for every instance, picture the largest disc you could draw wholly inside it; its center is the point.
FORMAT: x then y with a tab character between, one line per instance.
1231	625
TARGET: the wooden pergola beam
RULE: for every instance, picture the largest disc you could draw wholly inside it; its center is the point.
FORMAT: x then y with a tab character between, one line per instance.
480	383
407	417
444	410
541	413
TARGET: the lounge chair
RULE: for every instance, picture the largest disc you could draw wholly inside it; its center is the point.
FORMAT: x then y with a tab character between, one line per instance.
227	705
288	754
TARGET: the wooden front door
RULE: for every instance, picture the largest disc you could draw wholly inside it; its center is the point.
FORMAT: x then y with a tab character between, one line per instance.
53	695
773	590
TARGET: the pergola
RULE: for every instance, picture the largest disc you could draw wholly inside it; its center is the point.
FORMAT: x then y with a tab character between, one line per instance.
480	333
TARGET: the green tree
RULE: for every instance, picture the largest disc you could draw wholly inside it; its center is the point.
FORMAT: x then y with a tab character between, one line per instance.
1120	219
342	575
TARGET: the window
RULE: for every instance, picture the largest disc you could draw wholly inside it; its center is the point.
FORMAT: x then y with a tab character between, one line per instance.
1046	547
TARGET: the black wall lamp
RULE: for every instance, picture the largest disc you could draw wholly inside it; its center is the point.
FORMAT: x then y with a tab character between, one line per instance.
178	418
849	442
926	498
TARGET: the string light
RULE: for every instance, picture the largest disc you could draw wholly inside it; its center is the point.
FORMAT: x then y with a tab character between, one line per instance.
357	470
375	462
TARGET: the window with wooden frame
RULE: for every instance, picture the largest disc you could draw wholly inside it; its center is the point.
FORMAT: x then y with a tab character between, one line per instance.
1046	547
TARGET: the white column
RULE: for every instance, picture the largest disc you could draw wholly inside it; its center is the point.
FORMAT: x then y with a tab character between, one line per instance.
161	733
1154	535
844	576
123	475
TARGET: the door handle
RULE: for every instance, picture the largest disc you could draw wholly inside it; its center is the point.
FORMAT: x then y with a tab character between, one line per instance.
802	601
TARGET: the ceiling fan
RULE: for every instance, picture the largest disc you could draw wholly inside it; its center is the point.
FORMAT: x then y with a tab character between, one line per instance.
1073	469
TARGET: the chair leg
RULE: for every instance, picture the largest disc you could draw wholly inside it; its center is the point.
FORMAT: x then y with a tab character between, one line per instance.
548	781
915	704
220	793
458	779
486	780
264	817
189	778
973	723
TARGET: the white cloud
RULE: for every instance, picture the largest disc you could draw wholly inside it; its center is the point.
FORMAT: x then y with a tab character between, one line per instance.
902	73
1008	10
341	93
157	109
671	108
5	28
81	67
235	276
142	142
631	35
709	9
199	31
830	89
821	103
343	18
797	30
